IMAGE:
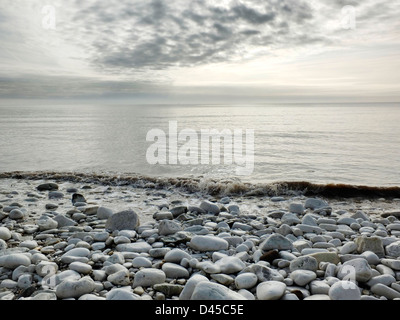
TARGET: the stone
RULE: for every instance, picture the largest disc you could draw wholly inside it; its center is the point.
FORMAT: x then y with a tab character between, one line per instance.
303	277
47	187
104	213
391	263
206	290
264	273
138	247
385	279
169	289
121	294
76	254
344	290
75	288
358	268
120	278
382	290
319	287
223	279
24	281
176	255
276	241
348	247
190	285
229	265
63	221
208	243
312	203
16	214
177	211
5	234
81	267
148	277
371	257
76	198
304	263
208	267
46	223
3	245
393	249
297	208
175	271
124	220
43	296
141	262
210	207
44	268
14	260
373	244
56	195
271	290
246	280
167	227
331	257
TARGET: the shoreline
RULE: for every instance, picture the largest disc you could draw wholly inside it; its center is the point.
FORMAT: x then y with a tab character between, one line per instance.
217	187
190	244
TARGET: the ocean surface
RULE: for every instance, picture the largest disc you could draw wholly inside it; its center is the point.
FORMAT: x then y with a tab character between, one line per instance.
354	144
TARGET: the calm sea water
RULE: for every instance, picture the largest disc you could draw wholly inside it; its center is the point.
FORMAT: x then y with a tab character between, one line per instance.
320	143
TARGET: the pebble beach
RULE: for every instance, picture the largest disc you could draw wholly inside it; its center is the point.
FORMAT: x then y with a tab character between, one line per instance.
86	241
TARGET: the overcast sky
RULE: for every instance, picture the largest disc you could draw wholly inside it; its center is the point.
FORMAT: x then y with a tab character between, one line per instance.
201	50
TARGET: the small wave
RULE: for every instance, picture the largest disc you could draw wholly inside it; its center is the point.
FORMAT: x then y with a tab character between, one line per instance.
214	187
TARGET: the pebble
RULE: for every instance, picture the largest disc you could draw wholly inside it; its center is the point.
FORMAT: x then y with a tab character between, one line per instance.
271	290
303	277
104	213
344	290
276	241
138	247
205	290
75	288
210	207
358	268
246	280
5	234
141	262
304	263
175	271
208	243
383	290
167	227
14	260
121	294
148	277
124	220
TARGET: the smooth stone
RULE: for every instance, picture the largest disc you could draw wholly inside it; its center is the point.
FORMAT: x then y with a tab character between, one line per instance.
319	287
348	247
120	278
303	277
169	289
358	268
246	281
124	220
159	252
167	227
318	297
208	243
16	214
141	262
371	257
104	213
210	207
14	260
208	267
393	249
134	247
373	244
230	265
78	198
75	288
344	290
30	244
177	211
391	263
43	296
296	208
121	294
63	221
5	233
3	245
74	255
304	263
175	271
385	279
176	255
276	241
47	187
46	223
224	279
190	285
206	290
382	290
271	290
81	267
56	195
264	273
148	277
312	203
44	268
163	216
24	281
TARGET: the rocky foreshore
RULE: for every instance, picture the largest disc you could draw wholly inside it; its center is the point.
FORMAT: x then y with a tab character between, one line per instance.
60	240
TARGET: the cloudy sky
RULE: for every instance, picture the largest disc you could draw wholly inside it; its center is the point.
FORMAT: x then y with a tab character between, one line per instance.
201	50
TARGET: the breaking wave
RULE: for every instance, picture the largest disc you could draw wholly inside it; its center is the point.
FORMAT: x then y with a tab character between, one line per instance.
214	187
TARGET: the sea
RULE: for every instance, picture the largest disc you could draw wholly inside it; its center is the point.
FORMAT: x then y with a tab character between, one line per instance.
313	144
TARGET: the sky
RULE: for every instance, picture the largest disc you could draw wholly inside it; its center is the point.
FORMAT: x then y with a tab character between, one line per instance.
201	50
